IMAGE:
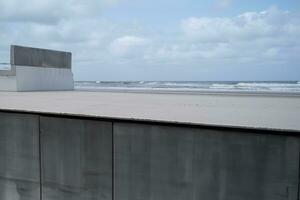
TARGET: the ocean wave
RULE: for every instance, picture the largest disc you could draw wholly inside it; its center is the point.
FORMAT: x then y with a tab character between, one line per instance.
199	86
176	84
221	86
151	83
267	85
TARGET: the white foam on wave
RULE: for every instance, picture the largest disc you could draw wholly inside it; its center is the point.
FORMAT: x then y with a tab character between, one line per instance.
221	86
196	86
176	84
151	83
255	84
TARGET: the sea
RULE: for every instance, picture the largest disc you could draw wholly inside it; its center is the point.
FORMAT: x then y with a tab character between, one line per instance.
194	86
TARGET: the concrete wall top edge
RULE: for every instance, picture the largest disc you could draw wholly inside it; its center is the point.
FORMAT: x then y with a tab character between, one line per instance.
37	48
258	130
38	57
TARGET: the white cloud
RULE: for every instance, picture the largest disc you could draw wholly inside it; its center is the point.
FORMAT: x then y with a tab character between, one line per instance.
272	52
128	46
270	37
50	11
251	36
247	26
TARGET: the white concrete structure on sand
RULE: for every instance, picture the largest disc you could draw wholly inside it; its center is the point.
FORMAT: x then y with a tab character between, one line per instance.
35	69
246	111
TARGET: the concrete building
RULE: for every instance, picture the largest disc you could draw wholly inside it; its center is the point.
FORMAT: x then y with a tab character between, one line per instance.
34	69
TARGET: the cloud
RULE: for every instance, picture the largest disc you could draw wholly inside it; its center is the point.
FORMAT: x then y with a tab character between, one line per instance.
253	39
247	26
128	46
50	11
255	36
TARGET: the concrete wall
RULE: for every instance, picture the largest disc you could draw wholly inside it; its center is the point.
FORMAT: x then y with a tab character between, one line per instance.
19	157
26	56
93	159
38	78
162	162
76	159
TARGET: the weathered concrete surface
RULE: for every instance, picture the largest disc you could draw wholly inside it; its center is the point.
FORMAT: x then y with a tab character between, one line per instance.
151	162
41	79
76	159
19	157
26	56
246	111
172	163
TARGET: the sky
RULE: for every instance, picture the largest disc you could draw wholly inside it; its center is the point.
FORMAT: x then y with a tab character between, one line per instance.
182	40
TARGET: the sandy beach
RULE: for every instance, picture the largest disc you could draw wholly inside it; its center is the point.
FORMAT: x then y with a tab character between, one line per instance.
267	111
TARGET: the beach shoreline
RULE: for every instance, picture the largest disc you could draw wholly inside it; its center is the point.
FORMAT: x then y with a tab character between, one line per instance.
190	92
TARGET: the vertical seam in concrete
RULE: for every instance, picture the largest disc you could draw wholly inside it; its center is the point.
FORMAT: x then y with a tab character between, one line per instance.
298	192
40	158
113	163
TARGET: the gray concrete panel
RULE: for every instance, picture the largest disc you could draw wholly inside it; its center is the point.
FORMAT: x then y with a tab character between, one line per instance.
76	159
172	163
35	57
19	157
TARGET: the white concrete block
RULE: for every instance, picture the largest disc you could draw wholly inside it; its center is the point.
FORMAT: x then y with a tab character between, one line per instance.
34	69
41	78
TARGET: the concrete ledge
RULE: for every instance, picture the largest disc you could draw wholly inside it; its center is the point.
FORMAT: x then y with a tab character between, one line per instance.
11	72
